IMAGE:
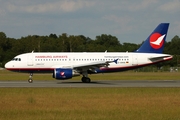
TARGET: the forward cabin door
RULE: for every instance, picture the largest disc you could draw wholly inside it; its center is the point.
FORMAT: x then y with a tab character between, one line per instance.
30	60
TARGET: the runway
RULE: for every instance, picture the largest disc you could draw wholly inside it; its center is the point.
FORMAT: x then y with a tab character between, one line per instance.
93	84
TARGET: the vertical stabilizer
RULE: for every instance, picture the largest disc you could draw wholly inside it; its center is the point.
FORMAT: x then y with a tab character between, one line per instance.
156	40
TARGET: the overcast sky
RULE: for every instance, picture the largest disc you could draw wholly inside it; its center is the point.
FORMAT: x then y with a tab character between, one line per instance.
129	20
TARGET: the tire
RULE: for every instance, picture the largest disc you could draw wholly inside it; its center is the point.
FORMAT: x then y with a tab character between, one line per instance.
30	80
86	80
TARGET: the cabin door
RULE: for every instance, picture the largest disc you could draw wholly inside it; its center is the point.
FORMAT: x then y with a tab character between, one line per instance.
30	60
135	60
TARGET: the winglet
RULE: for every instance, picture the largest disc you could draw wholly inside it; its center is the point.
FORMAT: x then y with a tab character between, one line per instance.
115	61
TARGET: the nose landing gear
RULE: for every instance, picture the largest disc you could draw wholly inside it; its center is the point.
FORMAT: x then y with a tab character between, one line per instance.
30	80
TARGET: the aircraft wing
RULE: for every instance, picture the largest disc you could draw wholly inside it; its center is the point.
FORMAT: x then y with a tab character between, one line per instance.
93	65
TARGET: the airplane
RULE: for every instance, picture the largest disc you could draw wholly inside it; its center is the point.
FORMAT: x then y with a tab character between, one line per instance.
65	65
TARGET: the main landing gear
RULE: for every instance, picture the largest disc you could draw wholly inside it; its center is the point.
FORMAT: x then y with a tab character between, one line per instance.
85	78
30	80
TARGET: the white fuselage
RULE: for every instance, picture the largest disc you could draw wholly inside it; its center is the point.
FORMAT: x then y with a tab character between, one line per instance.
37	62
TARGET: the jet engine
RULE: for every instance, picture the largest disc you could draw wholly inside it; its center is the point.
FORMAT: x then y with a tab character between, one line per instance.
64	73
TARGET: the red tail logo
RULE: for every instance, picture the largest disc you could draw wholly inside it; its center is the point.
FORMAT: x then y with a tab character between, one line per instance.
157	40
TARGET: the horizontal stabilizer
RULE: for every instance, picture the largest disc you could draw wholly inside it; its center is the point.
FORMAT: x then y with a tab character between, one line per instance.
155	59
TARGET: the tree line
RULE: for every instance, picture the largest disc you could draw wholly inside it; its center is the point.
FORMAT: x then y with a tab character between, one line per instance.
10	47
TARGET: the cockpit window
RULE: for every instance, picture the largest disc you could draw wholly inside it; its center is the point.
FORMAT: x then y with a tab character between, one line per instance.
16	59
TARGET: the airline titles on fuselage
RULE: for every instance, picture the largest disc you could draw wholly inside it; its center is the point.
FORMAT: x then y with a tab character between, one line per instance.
121	59
116	56
49	56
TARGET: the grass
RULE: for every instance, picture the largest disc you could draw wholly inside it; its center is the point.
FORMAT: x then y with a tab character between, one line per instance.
89	103
130	75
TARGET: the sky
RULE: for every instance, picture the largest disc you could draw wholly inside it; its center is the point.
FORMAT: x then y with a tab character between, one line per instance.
131	21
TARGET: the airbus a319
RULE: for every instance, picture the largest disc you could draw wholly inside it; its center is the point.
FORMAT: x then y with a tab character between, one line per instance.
65	65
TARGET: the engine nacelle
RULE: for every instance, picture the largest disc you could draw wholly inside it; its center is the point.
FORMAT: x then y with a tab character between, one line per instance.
63	73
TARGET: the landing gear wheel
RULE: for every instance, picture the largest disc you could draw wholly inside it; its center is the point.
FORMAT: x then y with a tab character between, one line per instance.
86	80
30	80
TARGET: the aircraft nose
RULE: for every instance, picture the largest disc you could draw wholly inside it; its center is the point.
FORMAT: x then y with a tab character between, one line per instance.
7	65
